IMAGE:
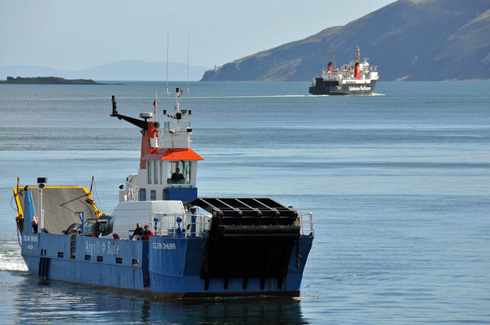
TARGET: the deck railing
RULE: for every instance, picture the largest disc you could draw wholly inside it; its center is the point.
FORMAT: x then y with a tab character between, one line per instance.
306	223
168	225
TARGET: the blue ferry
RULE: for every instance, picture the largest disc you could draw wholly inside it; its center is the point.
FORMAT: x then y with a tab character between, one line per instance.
196	246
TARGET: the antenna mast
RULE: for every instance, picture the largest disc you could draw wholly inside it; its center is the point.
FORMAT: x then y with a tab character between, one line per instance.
178	114
188	51
166	86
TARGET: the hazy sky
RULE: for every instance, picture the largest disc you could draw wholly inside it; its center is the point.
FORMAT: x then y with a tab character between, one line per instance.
79	34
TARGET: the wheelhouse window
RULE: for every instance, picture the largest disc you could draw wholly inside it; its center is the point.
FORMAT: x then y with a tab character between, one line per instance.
149	170
162	168
155	170
179	172
156	165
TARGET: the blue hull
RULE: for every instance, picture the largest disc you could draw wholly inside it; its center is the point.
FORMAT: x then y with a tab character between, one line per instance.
163	267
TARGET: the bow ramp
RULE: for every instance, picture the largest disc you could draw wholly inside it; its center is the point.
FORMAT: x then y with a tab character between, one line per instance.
249	237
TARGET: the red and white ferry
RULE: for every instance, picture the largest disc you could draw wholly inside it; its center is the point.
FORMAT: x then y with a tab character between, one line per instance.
355	78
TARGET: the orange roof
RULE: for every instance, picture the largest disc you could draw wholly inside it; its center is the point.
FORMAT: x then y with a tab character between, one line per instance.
174	154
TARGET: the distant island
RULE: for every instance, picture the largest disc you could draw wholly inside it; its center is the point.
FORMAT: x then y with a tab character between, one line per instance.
49	81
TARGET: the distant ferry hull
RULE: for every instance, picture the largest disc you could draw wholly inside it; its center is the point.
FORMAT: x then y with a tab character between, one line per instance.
328	87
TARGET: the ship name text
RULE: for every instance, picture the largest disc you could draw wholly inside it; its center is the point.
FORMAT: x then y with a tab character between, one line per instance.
169	246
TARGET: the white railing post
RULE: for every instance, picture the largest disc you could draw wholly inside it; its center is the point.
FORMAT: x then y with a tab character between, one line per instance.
310	222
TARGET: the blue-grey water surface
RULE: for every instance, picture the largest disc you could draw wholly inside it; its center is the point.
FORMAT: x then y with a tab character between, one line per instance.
398	183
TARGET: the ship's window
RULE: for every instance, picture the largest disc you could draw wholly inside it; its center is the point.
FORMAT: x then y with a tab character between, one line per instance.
188	171
155	174
142	196
179	172
155	170
149	170
162	166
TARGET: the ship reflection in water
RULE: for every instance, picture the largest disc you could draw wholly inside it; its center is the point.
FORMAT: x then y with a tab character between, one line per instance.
41	301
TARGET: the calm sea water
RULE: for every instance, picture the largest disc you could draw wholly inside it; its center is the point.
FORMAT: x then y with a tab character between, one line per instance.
399	185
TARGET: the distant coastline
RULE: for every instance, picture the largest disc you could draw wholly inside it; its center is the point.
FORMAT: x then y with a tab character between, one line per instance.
49	81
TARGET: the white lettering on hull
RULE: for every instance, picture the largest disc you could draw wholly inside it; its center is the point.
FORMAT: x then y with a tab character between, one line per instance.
169	246
112	249
360	88
27	241
27	238
95	248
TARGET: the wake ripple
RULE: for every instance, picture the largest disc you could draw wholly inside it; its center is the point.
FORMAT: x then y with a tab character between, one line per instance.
10	257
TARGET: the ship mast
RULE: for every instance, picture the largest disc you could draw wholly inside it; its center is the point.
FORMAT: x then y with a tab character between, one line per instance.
178	115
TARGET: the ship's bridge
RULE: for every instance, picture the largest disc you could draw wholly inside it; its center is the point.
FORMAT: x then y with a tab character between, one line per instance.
169	175
167	172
